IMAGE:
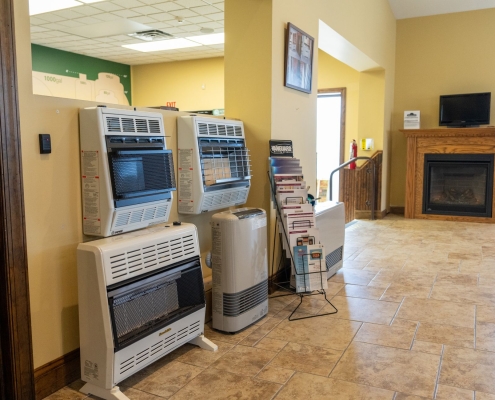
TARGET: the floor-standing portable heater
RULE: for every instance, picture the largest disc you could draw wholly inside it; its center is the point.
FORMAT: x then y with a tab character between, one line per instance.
330	220
141	295
239	265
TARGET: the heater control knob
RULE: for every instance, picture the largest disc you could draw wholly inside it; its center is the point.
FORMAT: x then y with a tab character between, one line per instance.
177	223
208	260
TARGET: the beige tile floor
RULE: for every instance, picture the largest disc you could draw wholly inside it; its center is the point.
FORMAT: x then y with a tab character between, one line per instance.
416	320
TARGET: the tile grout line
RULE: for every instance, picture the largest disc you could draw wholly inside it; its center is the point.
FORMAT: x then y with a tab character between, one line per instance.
397	311
432	286
342	355
475	323
438	373
414	336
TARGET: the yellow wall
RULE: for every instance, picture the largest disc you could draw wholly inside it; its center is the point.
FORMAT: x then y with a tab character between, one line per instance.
53	205
443	54
368	25
334	74
181	82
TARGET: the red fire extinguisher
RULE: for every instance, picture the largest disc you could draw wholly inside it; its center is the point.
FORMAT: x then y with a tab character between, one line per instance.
353	154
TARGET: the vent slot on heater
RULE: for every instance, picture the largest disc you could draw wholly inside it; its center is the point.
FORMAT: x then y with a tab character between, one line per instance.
224	161
334	257
137	310
235	304
219	129
133	125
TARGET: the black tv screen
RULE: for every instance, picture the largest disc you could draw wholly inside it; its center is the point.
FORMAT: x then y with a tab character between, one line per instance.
459	110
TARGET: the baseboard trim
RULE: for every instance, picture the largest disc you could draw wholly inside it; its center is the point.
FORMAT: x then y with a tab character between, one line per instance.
56	374
397	210
366	214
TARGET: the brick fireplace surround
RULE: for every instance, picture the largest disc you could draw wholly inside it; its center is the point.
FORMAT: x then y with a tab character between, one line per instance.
441	141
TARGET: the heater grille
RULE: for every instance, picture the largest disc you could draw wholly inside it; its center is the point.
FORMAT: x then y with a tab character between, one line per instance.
334	257
221	200
132	125
235	304
149	353
219	129
143	214
139	309
138	260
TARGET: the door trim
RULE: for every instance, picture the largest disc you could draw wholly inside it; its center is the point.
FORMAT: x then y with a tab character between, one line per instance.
17	373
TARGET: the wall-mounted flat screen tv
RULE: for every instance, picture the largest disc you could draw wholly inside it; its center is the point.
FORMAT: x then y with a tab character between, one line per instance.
460	110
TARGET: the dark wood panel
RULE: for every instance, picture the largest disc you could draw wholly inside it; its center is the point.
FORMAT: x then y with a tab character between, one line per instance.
56	374
15	319
444	141
356	188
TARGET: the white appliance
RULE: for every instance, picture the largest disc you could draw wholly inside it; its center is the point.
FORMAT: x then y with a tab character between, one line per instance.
214	168
141	295
127	173
239	265
330	220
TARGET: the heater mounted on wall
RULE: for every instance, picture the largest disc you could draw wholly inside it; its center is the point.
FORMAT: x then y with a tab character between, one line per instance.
214	166
127	173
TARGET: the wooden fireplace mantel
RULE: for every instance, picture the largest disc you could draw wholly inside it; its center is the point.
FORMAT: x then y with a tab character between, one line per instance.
441	141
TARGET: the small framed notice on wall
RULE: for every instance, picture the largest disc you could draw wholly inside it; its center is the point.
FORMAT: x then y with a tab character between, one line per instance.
411	119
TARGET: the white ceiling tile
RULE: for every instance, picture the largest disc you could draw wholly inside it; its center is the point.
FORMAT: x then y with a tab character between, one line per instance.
169	6
36	29
212	25
88	20
184	13
143	19
107	6
174	30
67	14
191	28
159	25
128	3
53	26
217	16
50	17
126	13
220	6
146	10
151	1
107	17
37	21
70	23
190	3
163	16
88	10
204	10
199	19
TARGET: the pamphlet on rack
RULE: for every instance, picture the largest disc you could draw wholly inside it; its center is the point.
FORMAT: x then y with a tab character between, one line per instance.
293	196
310	268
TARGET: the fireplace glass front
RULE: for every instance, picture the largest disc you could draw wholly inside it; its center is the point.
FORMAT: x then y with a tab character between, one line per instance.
458	184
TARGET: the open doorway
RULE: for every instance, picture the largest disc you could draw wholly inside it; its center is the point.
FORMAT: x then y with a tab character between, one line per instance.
330	138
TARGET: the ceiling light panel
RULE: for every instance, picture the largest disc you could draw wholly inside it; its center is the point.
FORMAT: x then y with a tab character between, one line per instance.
162	45
43	6
215	38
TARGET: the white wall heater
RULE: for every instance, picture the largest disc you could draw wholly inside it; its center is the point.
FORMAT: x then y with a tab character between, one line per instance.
141	295
127	173
214	167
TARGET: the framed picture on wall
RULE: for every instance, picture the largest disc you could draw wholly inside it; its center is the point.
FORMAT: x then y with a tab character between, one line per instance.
298	59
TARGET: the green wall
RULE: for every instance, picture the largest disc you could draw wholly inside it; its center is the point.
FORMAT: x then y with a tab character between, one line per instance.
46	59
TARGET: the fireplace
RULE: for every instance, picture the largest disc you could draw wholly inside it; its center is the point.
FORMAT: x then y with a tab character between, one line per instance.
458	184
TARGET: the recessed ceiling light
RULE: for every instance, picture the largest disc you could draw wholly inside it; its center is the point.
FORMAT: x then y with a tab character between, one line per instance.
216	38
44	6
161	45
180	20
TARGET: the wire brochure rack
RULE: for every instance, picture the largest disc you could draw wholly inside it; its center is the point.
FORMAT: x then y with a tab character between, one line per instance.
299	238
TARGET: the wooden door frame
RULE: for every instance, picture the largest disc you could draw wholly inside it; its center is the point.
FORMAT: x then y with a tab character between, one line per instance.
342	91
16	371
